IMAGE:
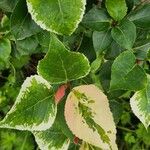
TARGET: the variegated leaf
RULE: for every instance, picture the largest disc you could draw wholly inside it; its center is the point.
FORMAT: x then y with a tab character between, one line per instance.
61	65
89	117
52	139
60	16
140	104
35	107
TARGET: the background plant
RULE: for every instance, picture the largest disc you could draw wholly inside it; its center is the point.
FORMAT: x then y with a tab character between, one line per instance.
107	47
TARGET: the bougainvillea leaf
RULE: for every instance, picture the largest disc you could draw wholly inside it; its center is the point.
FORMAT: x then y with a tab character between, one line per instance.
35	107
52	139
126	74
140	104
97	19
58	16
60	65
89	117
124	34
116	8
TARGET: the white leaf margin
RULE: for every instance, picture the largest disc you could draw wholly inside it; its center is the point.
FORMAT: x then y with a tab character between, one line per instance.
68	51
43	145
44	125
134	103
42	24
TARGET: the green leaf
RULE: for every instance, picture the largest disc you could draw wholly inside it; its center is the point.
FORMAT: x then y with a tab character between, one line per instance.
4	25
113	51
8	5
105	75
35	107
143	134
43	39
141	17
84	112
130	4
101	40
60	65
116	8
22	25
117	110
126	75
27	46
52	139
62	122
142	51
95	65
124	34
58	16
5	49
97	19
140	104
87	48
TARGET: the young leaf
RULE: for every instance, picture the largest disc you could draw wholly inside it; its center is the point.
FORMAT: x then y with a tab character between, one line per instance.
22	25
126	75
124	34
97	19
60	65
89	117
116	8
141	17
140	104
52	139
58	16
5	49
60	93
35	107
101	40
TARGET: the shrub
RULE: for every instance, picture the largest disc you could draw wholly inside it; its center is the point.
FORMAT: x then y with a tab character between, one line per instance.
74	74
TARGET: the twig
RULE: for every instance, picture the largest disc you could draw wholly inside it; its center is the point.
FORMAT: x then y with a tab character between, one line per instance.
125	129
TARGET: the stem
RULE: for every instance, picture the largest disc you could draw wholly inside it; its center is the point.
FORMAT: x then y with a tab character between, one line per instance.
142	2
125	129
80	42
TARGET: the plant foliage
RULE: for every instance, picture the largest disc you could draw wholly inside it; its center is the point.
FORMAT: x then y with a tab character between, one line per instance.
74	74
